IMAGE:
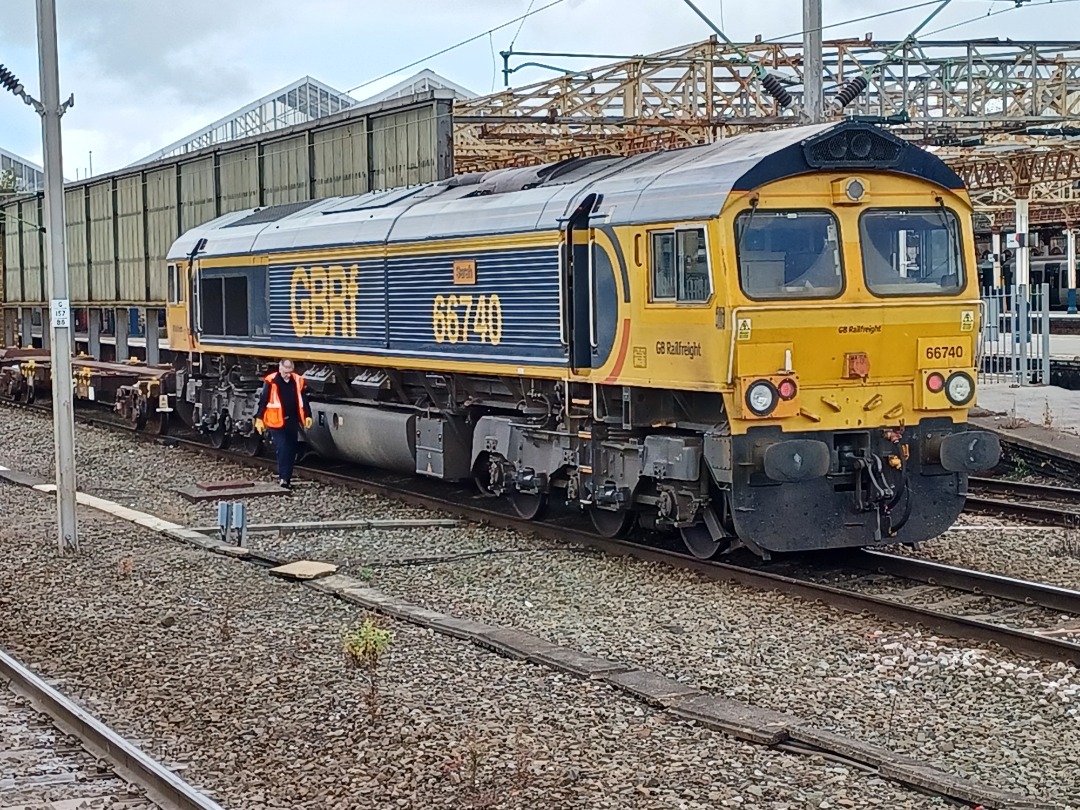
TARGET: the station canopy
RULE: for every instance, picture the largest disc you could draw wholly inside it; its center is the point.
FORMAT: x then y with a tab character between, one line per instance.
28	176
298	103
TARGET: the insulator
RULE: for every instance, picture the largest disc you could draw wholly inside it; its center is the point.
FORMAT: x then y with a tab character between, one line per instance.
776	90
850	91
7	79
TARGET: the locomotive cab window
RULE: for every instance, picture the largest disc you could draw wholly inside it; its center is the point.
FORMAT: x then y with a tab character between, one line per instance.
911	252
680	266
176	292
788	254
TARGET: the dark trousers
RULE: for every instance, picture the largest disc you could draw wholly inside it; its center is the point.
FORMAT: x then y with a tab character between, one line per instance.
285	440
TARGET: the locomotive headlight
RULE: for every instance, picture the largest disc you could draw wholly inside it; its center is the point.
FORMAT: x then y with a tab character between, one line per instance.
761	398
959	388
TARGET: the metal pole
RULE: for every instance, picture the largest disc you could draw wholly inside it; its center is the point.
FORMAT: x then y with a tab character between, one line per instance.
1044	324
995	238
1070	255
1022	271
56	256
813	71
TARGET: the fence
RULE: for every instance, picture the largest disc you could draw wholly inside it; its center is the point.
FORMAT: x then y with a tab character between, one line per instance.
1014	345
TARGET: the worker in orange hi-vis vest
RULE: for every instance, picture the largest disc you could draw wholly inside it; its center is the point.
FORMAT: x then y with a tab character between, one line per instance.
282	409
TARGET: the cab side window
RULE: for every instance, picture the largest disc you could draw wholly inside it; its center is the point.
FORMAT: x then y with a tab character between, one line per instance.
680	266
176	293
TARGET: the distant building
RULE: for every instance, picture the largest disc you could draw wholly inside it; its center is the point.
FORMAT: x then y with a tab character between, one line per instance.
423	81
302	101
28	176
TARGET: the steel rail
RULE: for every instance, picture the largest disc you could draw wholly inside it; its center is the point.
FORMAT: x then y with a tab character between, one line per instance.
1038	513
1028	643
1021	641
1003	486
162	786
977	582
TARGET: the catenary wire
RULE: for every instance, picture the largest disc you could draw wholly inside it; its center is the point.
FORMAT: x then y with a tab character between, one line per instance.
521	24
999	11
858	19
456	45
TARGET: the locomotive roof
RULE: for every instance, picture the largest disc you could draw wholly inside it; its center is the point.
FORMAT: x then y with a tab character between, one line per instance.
677	185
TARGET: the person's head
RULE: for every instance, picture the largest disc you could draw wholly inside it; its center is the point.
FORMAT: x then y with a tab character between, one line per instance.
285	369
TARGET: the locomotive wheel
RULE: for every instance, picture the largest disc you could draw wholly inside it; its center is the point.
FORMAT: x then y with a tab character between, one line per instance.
612	525
529	505
482	475
698	541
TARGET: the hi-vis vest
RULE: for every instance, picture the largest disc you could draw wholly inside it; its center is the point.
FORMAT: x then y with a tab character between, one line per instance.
274	417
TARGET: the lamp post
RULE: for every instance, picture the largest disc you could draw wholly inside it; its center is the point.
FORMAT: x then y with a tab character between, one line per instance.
50	109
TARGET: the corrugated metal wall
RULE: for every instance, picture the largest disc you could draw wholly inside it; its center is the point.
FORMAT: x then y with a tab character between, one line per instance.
131	238
162	226
198	202
32	275
12	261
341	161
119	227
286	175
102	242
239	180
78	262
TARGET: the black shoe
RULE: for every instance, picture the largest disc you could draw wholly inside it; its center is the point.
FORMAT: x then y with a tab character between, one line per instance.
284	484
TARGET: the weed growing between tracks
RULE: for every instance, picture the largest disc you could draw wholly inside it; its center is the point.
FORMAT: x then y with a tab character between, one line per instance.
1067	545
1020	469
365	646
463	768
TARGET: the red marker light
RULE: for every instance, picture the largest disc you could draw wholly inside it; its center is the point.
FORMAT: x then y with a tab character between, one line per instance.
935	382
787	389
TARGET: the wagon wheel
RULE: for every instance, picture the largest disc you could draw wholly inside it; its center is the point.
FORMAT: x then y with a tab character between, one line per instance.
219	439
252	445
184	411
529	505
612	525
156	423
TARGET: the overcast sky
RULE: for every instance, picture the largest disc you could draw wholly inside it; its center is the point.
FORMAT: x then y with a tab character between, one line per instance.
148	72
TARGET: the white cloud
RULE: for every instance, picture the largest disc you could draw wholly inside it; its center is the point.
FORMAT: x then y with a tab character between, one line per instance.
147	72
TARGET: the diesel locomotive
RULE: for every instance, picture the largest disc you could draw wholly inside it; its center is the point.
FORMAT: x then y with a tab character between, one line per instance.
765	342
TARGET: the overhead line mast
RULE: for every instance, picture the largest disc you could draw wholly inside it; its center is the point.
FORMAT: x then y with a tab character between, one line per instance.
51	109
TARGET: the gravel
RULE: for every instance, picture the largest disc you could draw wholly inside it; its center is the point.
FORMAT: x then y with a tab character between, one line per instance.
979	713
1041	554
238	678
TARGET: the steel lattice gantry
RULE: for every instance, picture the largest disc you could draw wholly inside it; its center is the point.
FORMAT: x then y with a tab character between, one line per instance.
937	92
1042	172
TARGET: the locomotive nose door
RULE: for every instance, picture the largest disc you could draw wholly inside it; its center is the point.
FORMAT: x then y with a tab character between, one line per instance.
579	313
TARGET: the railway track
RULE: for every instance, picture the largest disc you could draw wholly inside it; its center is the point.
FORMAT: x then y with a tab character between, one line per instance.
42	768
891	603
1044	642
1037	503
